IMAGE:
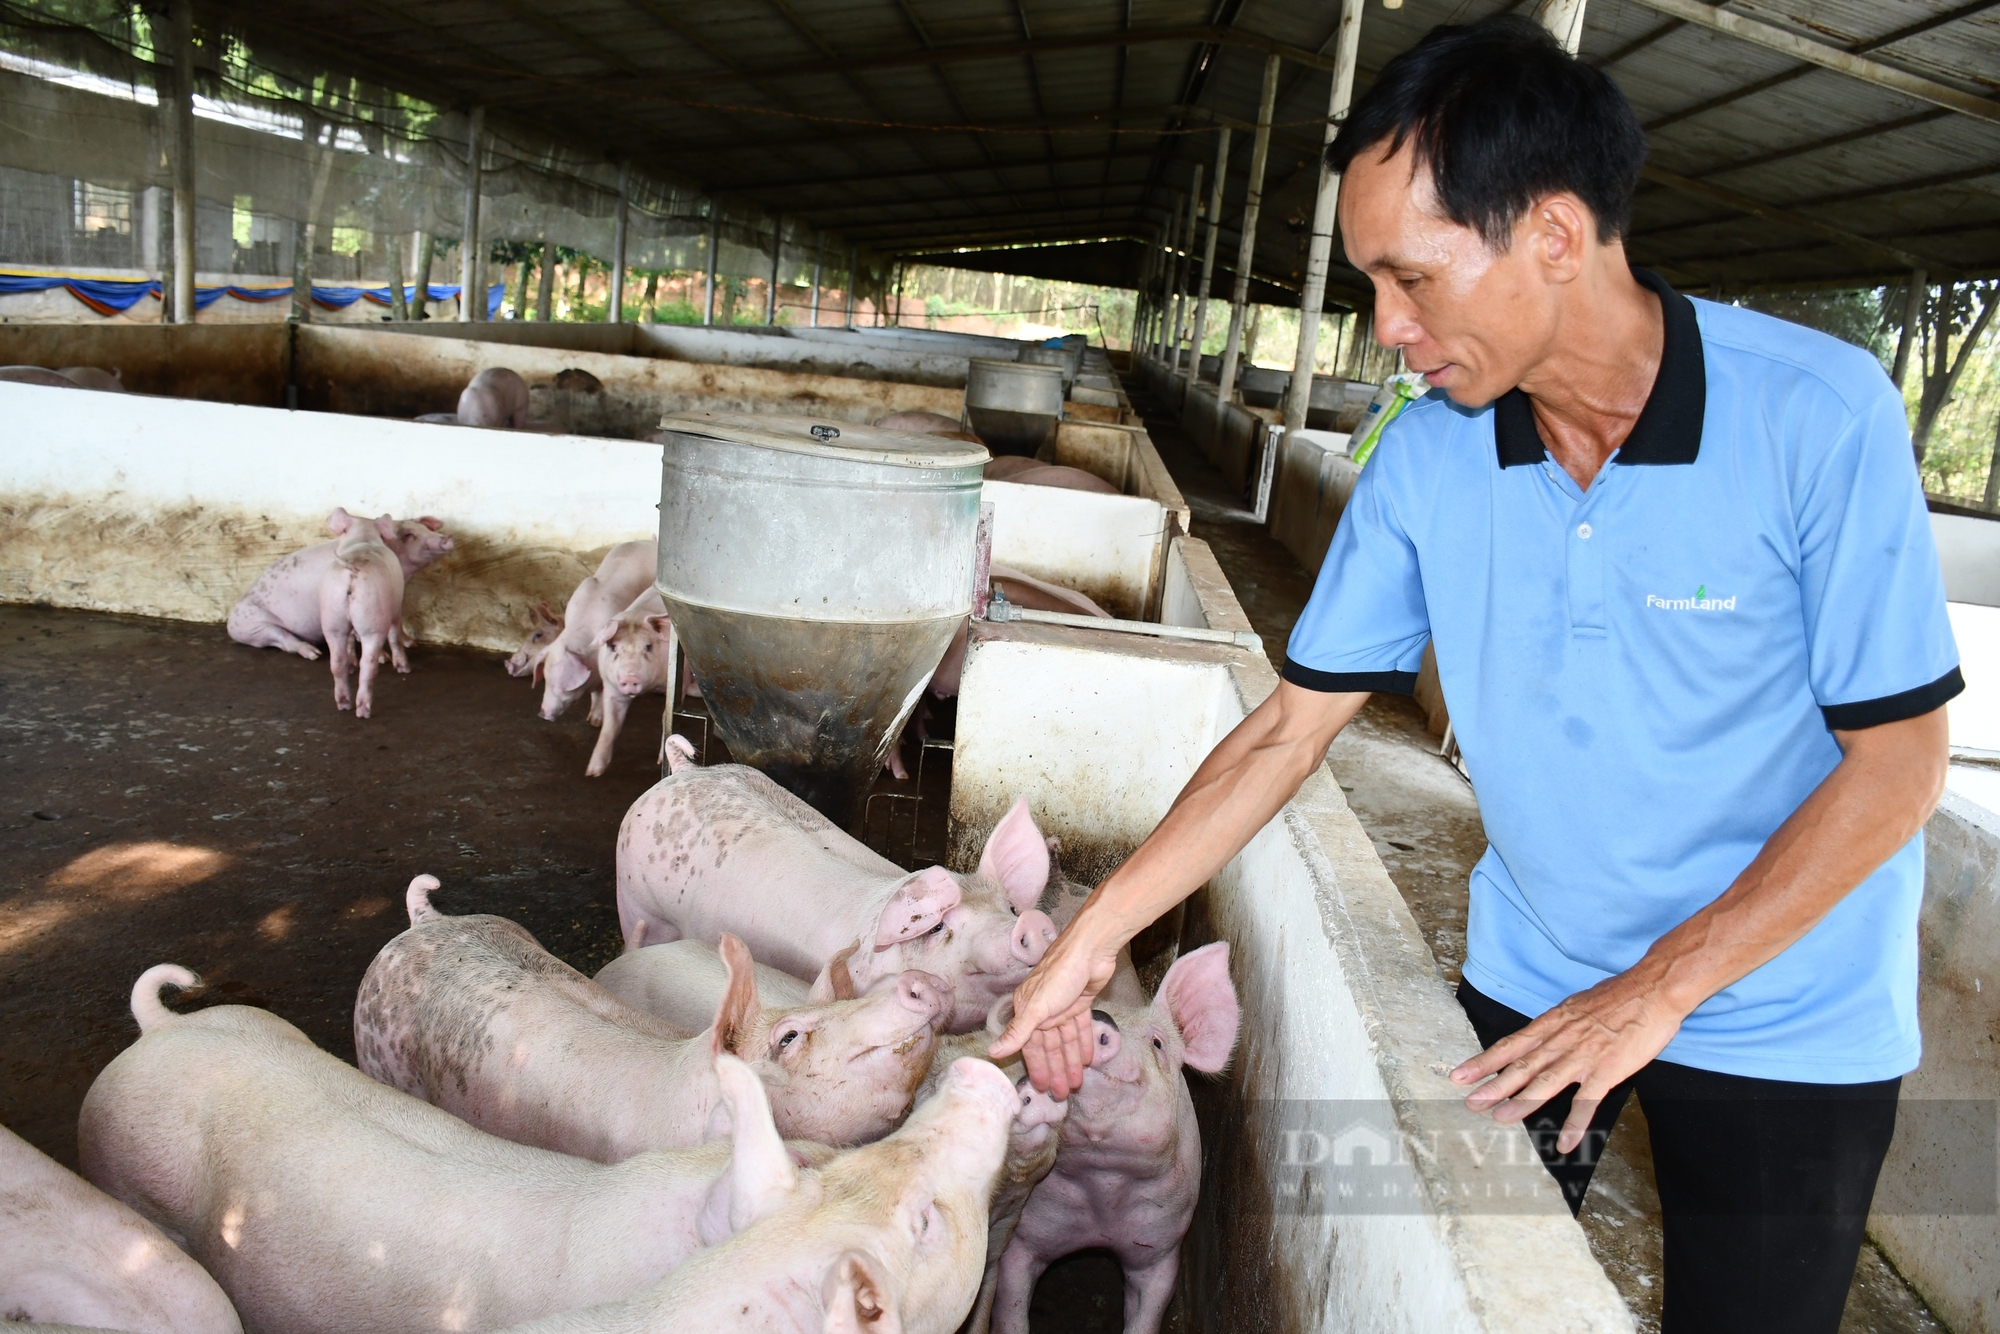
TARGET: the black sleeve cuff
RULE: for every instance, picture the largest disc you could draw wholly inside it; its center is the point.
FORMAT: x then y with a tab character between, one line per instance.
1892	708
1386	683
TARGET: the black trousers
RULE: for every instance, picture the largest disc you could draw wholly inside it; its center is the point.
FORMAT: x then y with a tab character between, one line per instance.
1764	1183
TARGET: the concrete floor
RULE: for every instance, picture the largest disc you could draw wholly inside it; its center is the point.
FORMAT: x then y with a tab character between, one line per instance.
1421	815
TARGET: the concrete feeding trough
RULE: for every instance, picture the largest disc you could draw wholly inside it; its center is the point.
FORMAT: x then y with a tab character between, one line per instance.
1013	406
815	575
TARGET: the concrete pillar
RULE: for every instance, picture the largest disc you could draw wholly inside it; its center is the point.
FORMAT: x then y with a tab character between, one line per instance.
777	253
1564	19
852	257
471	269
1208	248
1167	261
1312	300
180	124
1913	313
1184	269
1246	247
614	310
714	235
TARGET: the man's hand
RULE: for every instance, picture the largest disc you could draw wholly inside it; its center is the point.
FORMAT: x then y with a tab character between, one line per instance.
1597	1039
1051	1027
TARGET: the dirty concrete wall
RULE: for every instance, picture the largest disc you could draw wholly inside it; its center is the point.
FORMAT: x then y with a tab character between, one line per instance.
1310	488
1108	548
610	339
1934	1202
171	508
222	363
1124	456
365	372
1342	1009
778	351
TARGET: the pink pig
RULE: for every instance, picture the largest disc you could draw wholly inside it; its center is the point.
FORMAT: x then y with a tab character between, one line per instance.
1069	479
570	665
70	1255
724	849
631	661
497	397
472	1015
361	599
548	627
281	609
1128	1167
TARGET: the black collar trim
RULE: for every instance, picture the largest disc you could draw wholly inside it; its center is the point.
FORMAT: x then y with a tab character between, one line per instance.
1669	427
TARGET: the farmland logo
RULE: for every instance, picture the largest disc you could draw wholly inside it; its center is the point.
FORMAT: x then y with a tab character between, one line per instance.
1701	601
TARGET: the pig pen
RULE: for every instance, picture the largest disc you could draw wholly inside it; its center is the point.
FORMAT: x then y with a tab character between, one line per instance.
1344	1010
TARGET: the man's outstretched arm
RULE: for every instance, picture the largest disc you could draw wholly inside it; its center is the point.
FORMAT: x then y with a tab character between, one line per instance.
1244	781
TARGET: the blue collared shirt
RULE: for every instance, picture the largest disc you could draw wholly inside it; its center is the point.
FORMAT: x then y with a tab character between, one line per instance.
1643	677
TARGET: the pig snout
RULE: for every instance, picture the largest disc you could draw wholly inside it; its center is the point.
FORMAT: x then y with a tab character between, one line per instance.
1032	936
924	994
1038	1108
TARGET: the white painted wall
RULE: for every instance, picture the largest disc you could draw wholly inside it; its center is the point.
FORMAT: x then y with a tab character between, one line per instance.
1107	547
1969	550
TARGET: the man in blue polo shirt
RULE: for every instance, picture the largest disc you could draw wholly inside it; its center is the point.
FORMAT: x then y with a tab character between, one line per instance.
1677	569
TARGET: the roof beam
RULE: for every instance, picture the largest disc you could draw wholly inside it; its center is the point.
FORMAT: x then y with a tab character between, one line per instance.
1828	57
1830	141
1784	217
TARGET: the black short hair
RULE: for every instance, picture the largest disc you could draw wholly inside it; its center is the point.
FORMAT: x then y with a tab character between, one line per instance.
1503	116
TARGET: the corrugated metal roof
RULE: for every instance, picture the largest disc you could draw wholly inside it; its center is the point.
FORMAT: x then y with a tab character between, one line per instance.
909	125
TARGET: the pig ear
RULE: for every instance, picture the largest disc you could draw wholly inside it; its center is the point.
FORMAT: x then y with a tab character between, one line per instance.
761	1171
387	527
544	612
1017	857
835	981
568	672
918	905
659	624
1198	994
339	521
855	1295
432	523
738	1009
603	636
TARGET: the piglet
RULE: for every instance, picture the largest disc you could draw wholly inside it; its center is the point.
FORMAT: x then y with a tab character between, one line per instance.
724	849
497	398
632	653
570	665
326	1203
1128	1166
472	1015
93	377
547	628
885	1238
361	599
281	609
71	1255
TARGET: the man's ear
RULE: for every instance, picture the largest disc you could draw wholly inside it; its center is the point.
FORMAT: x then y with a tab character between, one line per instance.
1561	228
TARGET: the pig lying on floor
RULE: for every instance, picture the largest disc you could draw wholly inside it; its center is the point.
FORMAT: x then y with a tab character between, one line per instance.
326	1203
281	608
886	1238
71	1255
472	1015
724	849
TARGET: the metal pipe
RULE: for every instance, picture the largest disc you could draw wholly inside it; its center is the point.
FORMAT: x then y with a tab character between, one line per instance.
777	254
1313	299
1208	250
1000	610
614	310
708	307
181	124
472	273
1246	247
1185	269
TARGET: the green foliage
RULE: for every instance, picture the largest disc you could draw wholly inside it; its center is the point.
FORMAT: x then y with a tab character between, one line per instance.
1961	443
1869	317
678	312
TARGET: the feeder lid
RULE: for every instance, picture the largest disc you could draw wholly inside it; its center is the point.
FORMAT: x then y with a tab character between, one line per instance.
996	366
848	441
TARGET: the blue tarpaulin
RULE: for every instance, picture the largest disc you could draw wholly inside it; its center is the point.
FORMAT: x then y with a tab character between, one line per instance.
109	296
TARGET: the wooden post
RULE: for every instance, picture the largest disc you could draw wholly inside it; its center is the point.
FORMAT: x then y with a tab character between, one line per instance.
471	269
1563	19
614	309
1208	250
1246	248
1185	269
708	288
777	254
420	249
181	122
399	300
1313	299
545	284
1913	311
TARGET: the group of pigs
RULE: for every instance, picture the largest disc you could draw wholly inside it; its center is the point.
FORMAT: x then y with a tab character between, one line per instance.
773	1112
